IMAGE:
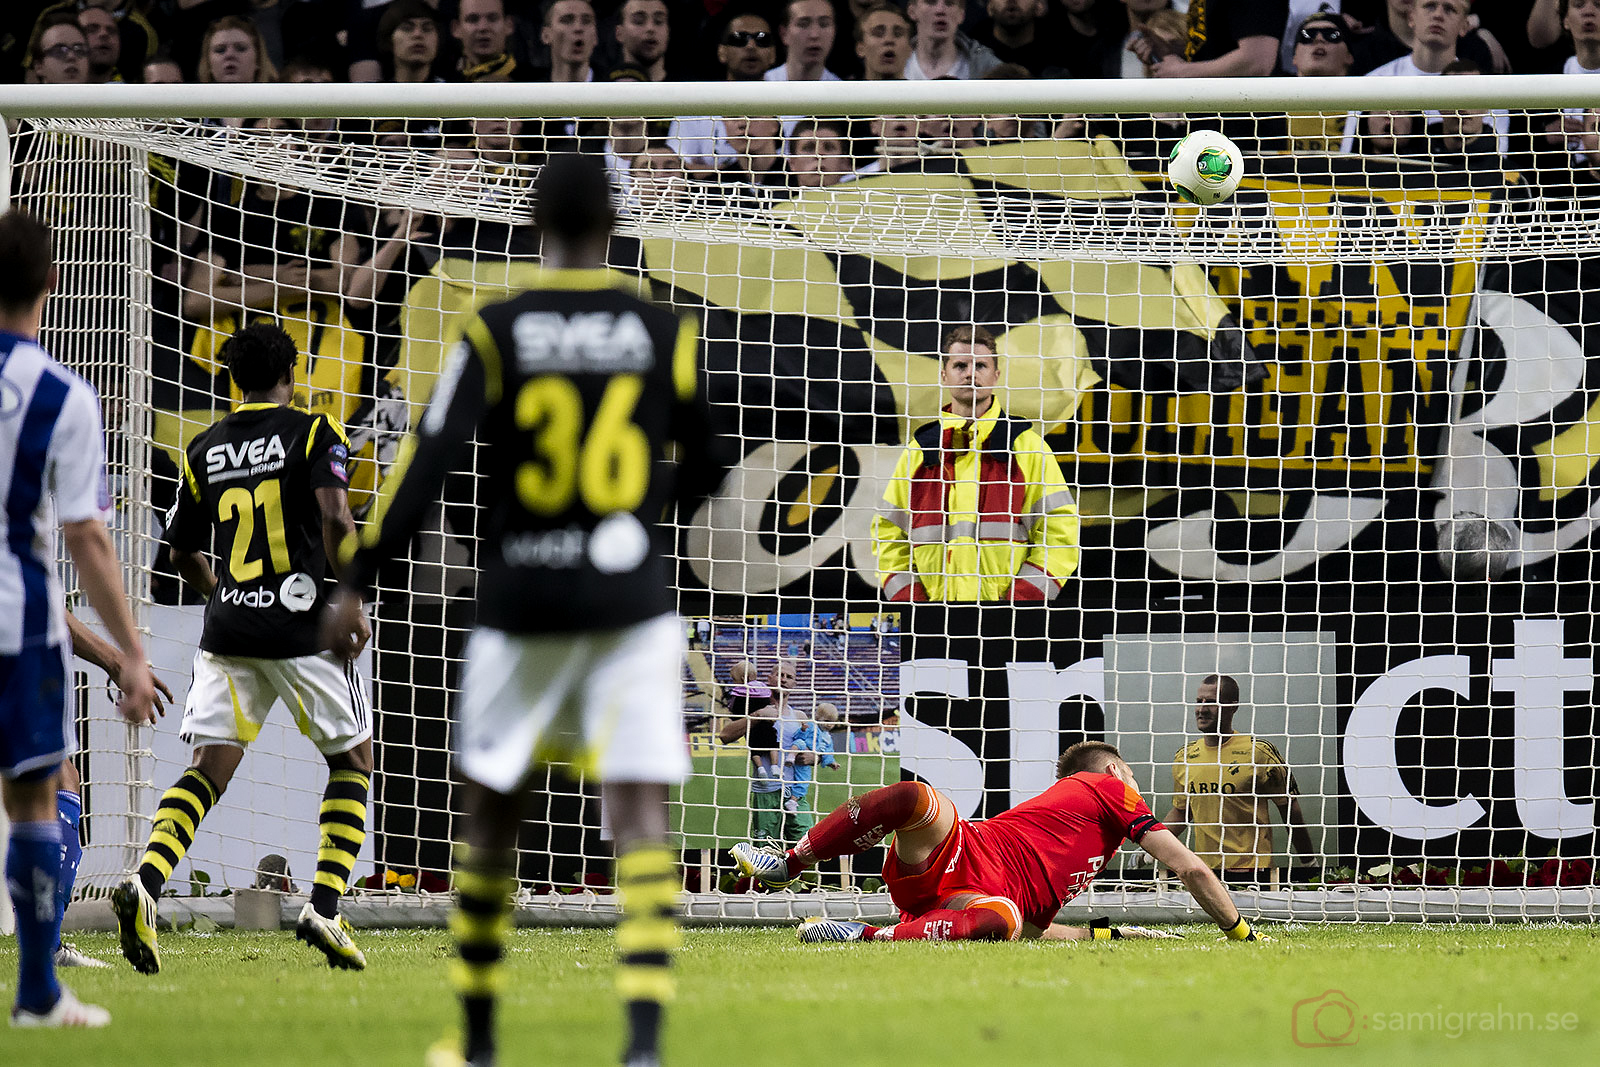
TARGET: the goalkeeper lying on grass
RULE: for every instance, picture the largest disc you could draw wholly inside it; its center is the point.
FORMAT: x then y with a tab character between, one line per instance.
1000	879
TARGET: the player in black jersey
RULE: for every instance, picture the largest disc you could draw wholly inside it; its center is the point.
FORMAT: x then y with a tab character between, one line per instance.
268	482
578	392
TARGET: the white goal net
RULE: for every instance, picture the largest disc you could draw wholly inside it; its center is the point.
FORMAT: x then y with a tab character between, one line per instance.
1333	440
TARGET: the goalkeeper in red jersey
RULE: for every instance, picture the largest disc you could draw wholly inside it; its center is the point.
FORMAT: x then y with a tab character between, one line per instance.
1004	878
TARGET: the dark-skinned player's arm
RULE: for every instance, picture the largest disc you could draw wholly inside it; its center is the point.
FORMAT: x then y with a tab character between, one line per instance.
338	524
92	648
91	551
1200	881
193	568
443	436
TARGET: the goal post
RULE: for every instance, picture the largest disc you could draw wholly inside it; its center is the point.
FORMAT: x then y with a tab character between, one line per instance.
1334	439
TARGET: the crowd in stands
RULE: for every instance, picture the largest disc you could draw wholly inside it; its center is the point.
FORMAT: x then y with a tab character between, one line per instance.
223	41
586	40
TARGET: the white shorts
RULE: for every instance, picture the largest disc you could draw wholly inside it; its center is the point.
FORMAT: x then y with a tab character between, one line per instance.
610	702
231	695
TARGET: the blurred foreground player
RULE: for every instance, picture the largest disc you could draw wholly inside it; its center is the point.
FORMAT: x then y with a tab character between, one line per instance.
1004	878
268	484
580	393
52	475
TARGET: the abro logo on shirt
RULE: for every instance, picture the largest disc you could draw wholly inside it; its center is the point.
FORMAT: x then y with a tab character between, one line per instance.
260	451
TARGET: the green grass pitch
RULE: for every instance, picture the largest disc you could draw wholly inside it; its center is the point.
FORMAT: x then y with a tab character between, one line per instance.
1455	995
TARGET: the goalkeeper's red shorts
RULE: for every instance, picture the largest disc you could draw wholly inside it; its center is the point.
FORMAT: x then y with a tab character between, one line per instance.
963	863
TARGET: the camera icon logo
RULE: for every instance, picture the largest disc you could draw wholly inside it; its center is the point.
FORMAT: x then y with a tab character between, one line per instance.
1325	1021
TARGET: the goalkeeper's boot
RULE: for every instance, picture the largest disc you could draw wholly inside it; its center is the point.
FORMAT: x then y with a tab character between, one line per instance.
136	924
818	931
331	937
68	955
769	866
68	1012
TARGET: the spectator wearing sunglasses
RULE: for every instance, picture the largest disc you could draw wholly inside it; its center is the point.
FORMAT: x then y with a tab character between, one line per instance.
1321	50
1303	11
58	53
1322	47
747	49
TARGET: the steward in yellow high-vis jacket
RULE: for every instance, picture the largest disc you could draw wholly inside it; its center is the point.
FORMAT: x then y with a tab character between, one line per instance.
977	508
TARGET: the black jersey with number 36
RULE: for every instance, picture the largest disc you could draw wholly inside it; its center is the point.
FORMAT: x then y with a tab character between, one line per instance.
578	393
252	479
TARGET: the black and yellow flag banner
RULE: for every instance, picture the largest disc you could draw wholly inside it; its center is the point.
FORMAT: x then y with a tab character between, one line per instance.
1267	416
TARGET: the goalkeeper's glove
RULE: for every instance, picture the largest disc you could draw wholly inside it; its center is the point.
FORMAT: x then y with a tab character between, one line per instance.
1102	930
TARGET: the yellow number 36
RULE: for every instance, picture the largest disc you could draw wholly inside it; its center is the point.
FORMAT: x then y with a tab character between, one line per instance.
606	464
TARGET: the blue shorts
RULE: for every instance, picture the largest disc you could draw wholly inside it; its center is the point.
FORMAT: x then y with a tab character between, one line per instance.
35	713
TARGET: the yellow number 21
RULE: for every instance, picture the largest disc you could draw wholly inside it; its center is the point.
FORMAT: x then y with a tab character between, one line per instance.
241	502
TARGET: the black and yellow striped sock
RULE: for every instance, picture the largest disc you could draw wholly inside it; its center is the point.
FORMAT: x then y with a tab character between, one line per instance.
485	881
343	821
647	879
177	819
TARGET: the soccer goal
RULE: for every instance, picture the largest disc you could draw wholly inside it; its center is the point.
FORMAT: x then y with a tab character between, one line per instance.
1332	445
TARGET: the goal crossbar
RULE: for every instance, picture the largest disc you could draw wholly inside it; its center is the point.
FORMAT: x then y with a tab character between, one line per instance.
796	98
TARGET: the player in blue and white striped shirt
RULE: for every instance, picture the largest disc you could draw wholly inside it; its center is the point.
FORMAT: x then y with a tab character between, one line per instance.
52	475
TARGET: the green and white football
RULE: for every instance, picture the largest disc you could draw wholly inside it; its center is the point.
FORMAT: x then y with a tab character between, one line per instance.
1205	168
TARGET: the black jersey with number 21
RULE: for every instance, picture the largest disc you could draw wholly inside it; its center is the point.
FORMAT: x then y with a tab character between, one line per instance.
252	480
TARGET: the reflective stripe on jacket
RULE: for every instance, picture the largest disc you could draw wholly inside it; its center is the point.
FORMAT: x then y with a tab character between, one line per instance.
976	510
